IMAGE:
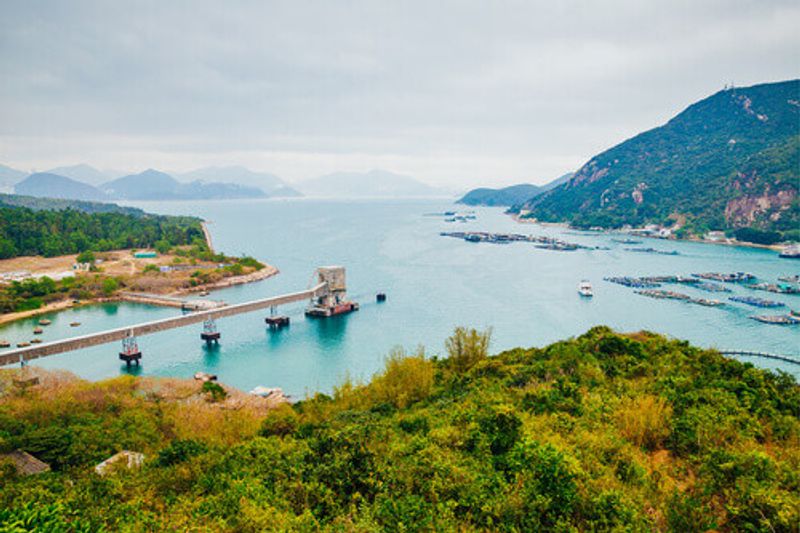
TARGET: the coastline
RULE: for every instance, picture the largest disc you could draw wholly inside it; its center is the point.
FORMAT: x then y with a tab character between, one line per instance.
207	234
727	242
265	273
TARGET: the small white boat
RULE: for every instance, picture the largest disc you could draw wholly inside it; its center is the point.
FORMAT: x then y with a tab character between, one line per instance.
585	289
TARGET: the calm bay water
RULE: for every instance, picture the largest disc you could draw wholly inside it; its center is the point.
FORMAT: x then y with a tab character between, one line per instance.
527	295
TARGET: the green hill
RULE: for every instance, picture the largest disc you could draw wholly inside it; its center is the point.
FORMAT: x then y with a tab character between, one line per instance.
38	204
506	196
510	196
28	232
604	432
45	185
729	161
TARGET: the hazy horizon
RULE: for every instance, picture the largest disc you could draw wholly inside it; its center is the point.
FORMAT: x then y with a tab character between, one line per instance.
456	95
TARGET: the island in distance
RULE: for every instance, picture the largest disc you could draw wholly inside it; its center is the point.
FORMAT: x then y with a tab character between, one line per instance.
509	196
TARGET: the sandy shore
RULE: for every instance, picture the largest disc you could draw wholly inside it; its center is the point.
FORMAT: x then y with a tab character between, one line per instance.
49	308
267	272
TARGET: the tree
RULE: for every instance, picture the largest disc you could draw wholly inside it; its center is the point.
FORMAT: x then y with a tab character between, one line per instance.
86	257
467	346
110	286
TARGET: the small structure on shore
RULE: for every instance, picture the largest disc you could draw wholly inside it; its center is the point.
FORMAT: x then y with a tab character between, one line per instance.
124	459
24	463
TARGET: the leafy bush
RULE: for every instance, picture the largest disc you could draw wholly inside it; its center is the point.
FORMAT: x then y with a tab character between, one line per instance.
467	346
602	432
179	451
214	391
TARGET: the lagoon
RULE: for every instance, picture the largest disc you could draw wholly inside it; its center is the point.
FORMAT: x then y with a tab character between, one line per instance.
433	283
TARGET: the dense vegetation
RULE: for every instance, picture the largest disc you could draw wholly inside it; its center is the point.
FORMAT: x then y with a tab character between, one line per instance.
34	293
49	233
602	432
507	196
37	204
510	196
727	162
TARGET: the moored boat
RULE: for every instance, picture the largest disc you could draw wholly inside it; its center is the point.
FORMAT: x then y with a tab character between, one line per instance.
790	252
585	289
45	322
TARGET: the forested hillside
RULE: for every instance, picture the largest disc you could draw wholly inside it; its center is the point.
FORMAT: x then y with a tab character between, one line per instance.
602	432
727	162
38	203
507	196
24	231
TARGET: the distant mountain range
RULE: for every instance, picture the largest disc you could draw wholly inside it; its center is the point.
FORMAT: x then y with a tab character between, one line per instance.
82	172
84	182
509	196
10	176
729	161
44	184
269	183
375	183
154	185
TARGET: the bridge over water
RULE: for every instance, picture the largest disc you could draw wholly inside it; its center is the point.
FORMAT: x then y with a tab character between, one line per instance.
330	291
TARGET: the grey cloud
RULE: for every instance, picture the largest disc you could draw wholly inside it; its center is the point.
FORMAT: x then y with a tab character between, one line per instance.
454	92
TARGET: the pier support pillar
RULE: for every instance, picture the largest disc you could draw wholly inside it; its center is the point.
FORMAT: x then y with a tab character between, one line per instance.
130	351
210	332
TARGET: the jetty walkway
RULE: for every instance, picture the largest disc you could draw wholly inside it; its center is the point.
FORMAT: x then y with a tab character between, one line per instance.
786	358
21	355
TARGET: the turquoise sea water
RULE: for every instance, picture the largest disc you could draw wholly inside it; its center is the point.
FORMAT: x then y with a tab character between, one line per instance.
527	295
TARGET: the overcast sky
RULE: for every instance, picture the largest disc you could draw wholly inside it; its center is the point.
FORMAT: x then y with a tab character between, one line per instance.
455	93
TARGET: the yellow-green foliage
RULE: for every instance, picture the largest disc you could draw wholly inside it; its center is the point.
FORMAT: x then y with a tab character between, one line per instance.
644	420
604	432
467	346
405	380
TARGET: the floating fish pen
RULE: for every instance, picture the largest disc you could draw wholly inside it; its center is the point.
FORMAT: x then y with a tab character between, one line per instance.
664	295
671	295
627	241
652	251
670	279
546	243
557	247
636	283
706	302
781	320
756	302
711	287
774	288
735	277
